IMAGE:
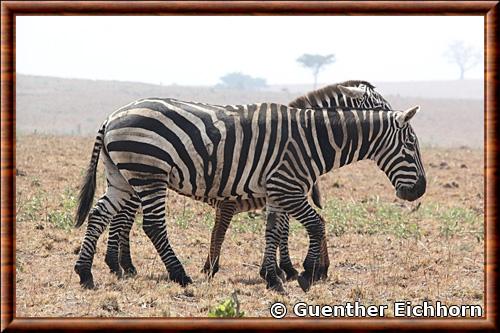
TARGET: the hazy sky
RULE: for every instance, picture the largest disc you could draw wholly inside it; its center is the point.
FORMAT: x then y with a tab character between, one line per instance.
195	50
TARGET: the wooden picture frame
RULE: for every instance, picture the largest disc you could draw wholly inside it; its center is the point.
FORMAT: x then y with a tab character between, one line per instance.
11	9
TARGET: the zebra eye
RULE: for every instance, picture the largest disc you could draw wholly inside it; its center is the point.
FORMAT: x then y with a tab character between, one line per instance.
410	141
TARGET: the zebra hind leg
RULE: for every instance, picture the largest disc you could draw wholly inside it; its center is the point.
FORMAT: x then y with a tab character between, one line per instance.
107	207
153	206
126	264
124	254
223	215
285	262
111	258
118	253
324	260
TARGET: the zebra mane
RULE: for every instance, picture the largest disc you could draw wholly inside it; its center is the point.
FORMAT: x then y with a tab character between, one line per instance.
325	94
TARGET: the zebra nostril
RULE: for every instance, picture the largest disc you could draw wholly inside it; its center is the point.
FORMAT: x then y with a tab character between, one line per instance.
411	193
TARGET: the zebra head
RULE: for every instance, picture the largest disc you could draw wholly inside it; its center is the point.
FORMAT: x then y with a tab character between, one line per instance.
399	156
363	95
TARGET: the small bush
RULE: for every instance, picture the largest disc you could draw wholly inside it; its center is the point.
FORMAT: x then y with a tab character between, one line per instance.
230	308
64	216
32	208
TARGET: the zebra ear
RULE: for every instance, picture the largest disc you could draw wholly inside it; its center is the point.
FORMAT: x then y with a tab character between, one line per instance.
405	116
353	92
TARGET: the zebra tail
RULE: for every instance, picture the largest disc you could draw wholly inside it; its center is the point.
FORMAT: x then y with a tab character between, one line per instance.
316	196
86	196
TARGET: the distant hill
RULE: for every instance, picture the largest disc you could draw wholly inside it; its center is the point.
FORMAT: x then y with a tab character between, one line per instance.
452	112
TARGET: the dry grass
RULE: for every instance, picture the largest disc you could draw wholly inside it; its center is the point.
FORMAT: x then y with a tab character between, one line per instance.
381	249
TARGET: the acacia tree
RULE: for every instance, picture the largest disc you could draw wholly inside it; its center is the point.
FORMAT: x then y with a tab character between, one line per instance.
464	56
316	62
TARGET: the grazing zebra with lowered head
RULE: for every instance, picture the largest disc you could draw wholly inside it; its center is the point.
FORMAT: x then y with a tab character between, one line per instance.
203	151
349	94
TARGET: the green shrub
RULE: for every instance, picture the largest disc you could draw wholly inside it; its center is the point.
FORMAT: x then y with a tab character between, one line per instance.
230	308
63	217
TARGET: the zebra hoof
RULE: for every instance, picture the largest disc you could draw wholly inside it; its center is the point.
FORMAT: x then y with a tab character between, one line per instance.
276	286
291	273
86	279
324	273
112	262
210	270
87	284
305	281
116	271
181	278
129	272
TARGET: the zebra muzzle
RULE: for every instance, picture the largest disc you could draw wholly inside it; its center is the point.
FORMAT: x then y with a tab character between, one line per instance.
411	193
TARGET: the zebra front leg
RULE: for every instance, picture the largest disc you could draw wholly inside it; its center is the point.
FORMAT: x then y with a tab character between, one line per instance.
98	220
274	224
153	205
298	207
285	262
223	215
313	270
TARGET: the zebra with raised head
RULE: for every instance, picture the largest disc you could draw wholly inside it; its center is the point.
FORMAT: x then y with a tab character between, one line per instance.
348	94
203	150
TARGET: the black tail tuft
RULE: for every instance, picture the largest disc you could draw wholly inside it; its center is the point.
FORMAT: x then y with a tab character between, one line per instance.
316	196
86	196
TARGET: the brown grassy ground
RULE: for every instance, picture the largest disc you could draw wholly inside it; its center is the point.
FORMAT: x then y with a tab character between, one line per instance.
381	249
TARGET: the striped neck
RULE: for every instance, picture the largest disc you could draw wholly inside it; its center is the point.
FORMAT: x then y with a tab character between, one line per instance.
345	137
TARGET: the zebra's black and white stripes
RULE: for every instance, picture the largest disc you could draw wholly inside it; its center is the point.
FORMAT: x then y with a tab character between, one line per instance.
238	152
344	95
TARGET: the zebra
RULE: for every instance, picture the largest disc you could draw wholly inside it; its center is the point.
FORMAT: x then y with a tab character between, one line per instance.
153	144
353	93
